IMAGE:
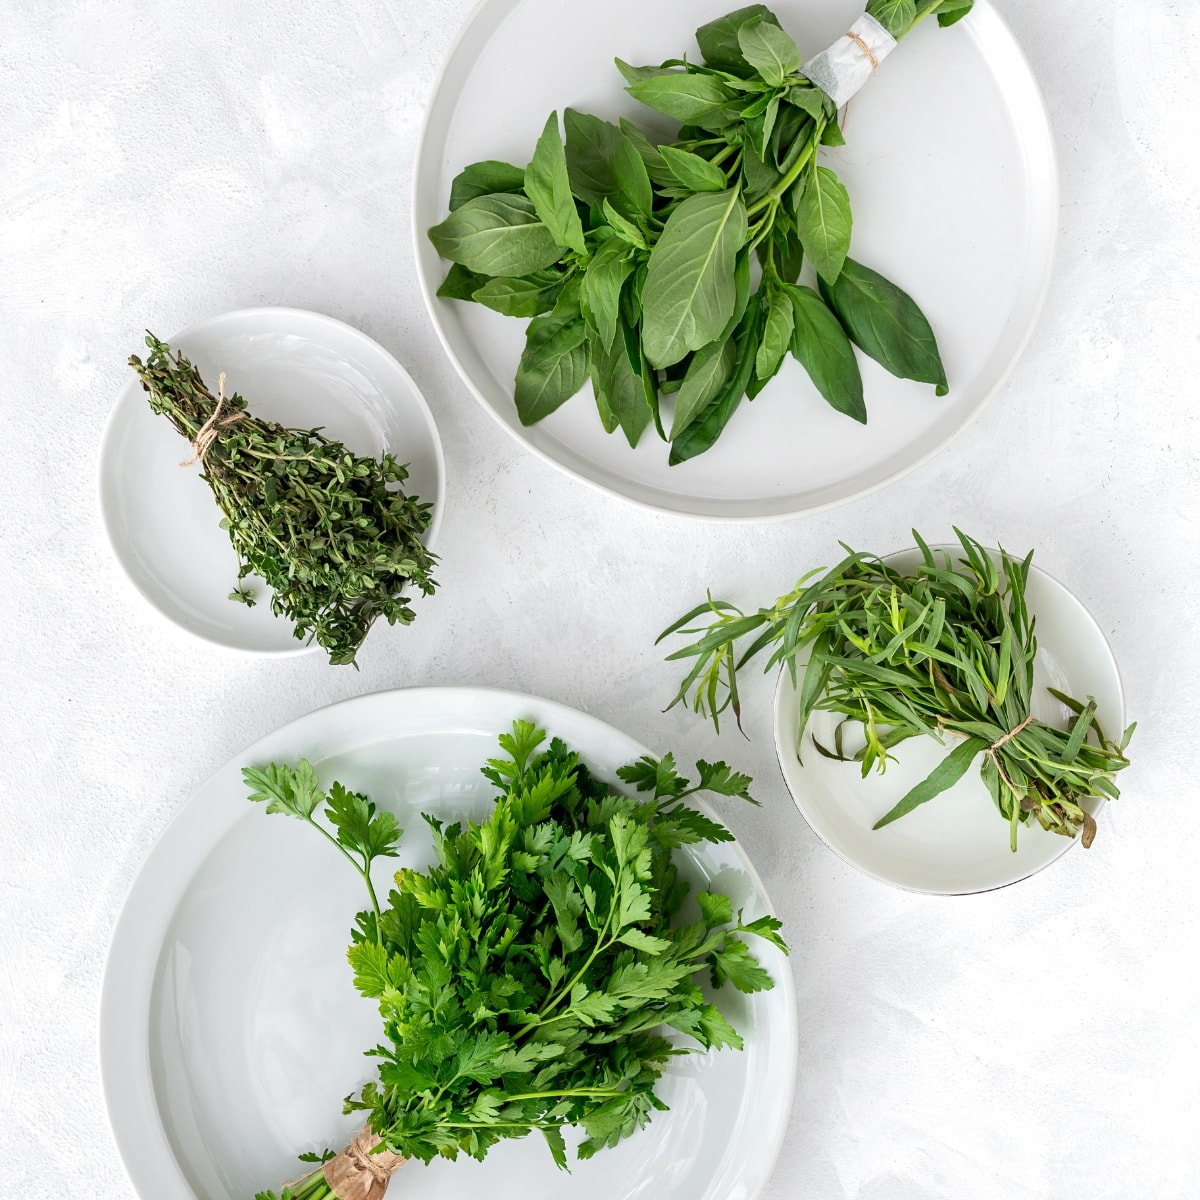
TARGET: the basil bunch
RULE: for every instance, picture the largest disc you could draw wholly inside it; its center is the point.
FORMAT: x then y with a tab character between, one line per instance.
636	261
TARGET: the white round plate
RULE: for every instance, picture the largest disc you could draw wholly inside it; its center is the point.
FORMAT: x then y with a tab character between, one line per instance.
230	1029
298	368
955	843
951	174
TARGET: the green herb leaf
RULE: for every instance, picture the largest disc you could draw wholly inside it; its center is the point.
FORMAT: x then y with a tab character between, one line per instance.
894	15
708	372
719	41
547	185
886	323
945	775
689	293
496	235
823	223
485	179
553	367
685	97
822	348
695	173
769	51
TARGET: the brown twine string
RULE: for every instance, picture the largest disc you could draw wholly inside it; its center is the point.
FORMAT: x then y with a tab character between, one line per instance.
1012	733
864	48
207	433
357	1173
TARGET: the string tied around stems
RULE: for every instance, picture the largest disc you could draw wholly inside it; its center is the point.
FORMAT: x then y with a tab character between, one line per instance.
209	431
864	48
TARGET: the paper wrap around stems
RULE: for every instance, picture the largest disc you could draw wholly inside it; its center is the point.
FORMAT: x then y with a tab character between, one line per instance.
359	1174
845	66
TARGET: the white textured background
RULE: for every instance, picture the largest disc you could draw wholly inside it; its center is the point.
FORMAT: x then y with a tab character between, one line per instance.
165	160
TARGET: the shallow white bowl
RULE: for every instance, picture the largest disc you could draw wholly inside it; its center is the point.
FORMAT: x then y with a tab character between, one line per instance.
951	172
230	1028
955	843
299	368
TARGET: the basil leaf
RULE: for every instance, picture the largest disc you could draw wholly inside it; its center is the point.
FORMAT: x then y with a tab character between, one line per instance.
682	95
695	173
707	374
718	40
461	284
820	345
634	74
894	15
831	135
886	323
622	390
553	367
602	163
810	100
787	250
778	329
601	289
496	235
952	11
651	156
704	431
485	179
689	292
524	297
547	185
625	230
769	51
823	222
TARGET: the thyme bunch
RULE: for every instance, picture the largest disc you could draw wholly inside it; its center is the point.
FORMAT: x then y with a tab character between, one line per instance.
333	535
948	649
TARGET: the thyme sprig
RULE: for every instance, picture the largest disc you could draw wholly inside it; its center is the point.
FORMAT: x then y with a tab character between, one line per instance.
946	650
334	535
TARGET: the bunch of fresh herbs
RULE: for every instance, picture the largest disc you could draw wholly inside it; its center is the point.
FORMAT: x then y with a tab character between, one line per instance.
528	980
334	535
635	261
948	649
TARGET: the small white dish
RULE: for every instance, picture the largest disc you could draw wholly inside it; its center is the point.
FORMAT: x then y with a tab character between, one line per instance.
299	368
951	172
955	843
230	1028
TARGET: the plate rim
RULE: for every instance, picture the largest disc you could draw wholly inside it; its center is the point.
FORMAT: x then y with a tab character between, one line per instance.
123	404
154	894
983	13
783	686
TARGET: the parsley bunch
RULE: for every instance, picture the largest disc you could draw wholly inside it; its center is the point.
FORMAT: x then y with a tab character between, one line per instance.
334	535
532	977
948	648
669	275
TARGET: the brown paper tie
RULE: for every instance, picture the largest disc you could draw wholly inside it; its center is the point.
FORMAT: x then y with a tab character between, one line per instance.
991	753
864	48
207	433
357	1173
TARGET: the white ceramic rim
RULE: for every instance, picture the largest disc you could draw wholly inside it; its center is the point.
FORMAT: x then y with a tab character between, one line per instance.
258	313
189	837
784	750
1037	143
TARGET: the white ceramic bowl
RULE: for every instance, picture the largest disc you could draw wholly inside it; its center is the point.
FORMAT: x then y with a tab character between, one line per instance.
230	1028
955	843
298	368
951	172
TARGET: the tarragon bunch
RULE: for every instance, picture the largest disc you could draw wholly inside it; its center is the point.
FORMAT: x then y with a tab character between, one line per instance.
946	650
674	270
531	978
334	535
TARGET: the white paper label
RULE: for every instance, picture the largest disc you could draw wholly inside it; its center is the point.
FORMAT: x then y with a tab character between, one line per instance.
842	69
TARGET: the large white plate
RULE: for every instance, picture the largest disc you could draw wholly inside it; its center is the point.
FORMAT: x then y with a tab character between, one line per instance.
955	843
950	168
230	1029
299	368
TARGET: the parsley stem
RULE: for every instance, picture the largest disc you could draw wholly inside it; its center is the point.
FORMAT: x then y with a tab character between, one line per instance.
363	870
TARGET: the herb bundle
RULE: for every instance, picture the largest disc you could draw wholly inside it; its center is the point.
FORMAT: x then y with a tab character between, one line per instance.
334	536
948	649
634	260
527	979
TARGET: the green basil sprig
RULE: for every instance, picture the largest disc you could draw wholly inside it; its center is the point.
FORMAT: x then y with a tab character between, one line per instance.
674	270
